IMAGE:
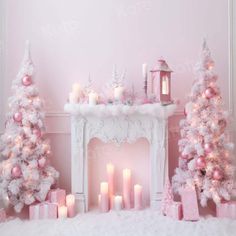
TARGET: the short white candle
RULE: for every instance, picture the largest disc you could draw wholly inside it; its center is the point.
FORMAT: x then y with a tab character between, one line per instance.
138	196
118	203
127	188
62	212
76	88
93	98
165	86
70	203
118	93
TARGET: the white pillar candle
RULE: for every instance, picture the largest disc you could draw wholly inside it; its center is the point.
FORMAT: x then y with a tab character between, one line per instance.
138	189
76	88
73	98
110	177
127	188
104	197
118	93
118	203
70	203
93	98
144	70
62	212
165	86
99	202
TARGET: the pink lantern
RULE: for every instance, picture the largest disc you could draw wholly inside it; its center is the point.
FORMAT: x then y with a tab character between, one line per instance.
164	73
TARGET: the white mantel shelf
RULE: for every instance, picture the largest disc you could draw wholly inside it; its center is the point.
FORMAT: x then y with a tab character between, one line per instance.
119	123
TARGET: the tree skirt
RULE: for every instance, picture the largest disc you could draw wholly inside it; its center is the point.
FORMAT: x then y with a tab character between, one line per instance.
127	223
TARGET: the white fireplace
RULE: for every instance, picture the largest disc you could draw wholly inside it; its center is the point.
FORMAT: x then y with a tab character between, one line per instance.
119	123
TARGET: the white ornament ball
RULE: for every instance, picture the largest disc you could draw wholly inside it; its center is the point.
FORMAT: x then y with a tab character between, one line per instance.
17	117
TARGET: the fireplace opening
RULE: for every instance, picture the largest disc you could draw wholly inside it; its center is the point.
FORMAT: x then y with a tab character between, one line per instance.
133	156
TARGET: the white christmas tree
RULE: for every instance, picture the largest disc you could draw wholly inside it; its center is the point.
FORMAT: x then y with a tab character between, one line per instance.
25	174
167	197
204	145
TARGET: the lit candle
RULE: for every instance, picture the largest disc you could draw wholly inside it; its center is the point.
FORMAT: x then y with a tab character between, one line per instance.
118	93
110	176
127	188
76	89
104	197
93	98
165	85
62	212
138	197
99	202
70	203
118	203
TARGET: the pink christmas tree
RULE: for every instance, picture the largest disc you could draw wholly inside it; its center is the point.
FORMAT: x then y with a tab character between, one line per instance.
167	197
204	145
25	174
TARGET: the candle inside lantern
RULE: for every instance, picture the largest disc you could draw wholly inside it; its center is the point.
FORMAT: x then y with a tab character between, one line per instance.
165	85
70	203
138	197
127	188
144	70
118	93
118	203
62	212
110	176
93	98
104	197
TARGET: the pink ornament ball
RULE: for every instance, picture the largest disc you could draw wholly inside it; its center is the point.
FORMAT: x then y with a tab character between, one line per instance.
16	172
208	147
42	162
209	93
17	117
37	132
201	162
27	80
217	175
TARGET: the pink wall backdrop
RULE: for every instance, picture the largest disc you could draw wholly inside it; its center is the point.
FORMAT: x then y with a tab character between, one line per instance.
72	38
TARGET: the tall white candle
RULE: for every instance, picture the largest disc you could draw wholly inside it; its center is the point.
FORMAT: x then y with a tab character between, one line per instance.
127	188
165	85
73	98
104	197
118	203
138	197
110	177
144	70
93	98
118	93
70	203
62	212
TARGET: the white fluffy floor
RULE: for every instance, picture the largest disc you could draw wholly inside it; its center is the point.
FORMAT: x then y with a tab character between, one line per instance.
127	223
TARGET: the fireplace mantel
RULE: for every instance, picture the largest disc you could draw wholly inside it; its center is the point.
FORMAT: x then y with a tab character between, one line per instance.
118	123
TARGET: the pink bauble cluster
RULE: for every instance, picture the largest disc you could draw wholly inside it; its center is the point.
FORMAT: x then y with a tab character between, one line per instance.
16	171
27	80
201	162
210	93
17	117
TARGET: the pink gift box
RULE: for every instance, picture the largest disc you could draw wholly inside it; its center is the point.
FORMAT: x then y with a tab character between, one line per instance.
175	210
34	212
2	215
226	209
47	210
57	196
190	204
